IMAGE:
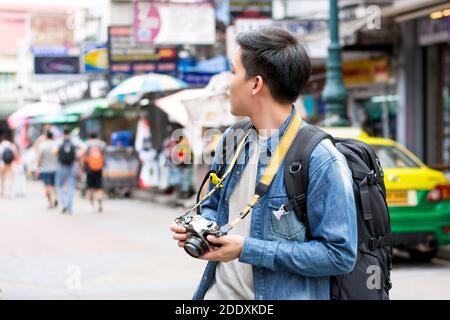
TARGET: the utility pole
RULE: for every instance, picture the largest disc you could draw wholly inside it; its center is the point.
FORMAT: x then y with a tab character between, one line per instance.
334	94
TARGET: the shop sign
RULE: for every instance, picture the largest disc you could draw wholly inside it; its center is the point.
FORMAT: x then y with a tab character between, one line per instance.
250	9
366	71
433	31
56	65
174	23
128	57
51	30
95	58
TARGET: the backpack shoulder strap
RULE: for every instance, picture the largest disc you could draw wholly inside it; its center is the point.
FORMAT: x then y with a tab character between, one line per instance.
296	168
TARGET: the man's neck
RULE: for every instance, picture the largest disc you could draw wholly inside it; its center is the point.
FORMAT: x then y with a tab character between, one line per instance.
270	117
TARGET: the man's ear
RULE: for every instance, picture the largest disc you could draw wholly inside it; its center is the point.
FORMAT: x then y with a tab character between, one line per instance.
258	85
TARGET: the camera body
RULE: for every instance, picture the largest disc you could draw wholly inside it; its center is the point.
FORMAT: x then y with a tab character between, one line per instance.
198	228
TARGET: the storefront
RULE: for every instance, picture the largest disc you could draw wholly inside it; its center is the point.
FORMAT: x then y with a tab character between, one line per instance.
424	85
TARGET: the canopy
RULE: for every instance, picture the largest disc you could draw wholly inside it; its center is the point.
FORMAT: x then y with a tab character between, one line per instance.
197	107
56	118
76	111
90	108
31	110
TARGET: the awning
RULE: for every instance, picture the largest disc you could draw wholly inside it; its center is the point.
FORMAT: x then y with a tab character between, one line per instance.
56	118
74	112
30	111
197	107
91	108
317	42
413	9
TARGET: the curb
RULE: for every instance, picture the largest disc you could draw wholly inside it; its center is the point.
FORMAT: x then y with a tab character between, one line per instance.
170	200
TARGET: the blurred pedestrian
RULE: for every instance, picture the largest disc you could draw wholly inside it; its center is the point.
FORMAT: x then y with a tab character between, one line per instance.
8	154
20	179
93	162
48	165
183	157
65	178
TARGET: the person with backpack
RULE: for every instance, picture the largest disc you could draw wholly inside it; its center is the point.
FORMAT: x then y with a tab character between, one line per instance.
8	154
93	162
288	221
66	173
48	165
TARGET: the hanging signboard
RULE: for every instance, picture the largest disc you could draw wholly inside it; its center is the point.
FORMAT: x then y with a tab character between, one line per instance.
51	31
174	23
56	65
127	57
250	9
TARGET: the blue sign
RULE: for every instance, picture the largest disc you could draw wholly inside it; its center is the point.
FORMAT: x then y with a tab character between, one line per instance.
95	58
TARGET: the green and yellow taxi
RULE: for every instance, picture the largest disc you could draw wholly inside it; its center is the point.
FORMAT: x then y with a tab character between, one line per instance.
418	196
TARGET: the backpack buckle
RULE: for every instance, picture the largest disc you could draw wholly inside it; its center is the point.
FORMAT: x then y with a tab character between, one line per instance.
375	243
295	167
372	177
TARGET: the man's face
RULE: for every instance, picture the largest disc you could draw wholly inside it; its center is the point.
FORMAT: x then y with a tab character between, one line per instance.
240	88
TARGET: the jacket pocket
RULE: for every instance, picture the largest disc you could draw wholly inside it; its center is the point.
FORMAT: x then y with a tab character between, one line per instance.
284	225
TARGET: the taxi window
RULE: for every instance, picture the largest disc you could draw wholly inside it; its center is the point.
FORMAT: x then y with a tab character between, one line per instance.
392	157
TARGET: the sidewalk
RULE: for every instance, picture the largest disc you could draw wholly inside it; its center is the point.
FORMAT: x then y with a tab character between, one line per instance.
170	200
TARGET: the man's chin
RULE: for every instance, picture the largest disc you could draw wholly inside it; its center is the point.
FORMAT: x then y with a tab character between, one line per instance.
237	113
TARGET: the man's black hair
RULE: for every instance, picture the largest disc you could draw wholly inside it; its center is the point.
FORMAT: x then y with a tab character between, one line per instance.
279	58
49	134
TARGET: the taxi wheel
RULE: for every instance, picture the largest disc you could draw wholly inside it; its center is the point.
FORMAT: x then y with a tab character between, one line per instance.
418	256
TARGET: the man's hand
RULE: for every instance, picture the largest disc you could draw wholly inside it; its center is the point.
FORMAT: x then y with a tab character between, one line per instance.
179	234
230	248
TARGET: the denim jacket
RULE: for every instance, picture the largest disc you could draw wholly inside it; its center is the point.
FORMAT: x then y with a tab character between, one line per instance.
285	264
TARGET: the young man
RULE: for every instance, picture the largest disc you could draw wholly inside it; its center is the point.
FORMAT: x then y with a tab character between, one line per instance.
48	165
268	255
94	161
66	174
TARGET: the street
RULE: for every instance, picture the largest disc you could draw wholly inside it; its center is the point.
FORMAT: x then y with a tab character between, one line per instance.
126	252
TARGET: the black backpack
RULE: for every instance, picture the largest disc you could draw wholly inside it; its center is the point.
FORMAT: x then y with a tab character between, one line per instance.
66	153
370	278
7	155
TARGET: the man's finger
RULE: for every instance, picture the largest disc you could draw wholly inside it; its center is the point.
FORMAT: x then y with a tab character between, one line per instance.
180	236
181	244
178	229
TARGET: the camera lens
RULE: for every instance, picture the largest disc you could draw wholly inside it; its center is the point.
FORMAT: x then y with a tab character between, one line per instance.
195	247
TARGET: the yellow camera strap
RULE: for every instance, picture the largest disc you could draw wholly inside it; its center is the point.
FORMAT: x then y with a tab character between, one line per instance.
218	182
270	171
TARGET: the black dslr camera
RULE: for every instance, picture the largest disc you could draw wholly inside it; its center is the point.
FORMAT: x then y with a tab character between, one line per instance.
198	228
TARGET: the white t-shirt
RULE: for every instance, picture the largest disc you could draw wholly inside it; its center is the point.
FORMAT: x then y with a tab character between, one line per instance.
234	279
49	162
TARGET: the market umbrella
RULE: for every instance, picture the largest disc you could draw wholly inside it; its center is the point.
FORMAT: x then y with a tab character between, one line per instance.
133	88
31	110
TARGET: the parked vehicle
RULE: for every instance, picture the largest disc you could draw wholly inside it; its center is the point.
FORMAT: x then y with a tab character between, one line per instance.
418	197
